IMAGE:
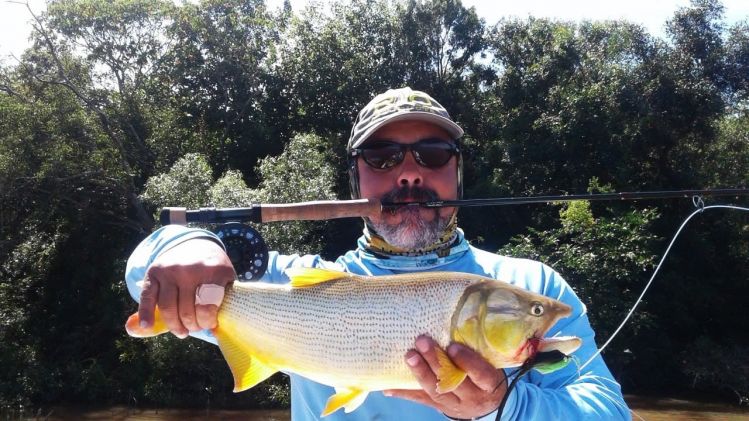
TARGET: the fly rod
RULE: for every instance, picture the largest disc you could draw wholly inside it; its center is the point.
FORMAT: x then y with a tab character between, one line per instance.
333	209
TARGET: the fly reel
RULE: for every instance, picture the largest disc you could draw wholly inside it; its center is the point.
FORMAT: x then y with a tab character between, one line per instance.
246	250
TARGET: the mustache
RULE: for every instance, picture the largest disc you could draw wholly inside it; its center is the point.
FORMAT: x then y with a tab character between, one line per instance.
413	193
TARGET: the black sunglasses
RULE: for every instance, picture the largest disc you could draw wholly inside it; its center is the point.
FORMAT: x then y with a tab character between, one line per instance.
384	154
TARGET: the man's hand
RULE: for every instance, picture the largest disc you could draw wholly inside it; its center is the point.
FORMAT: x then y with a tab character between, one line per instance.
479	394
173	278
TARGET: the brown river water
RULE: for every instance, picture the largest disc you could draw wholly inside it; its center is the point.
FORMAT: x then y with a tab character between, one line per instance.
649	409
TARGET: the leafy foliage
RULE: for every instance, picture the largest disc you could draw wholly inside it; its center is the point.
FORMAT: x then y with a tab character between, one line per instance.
714	365
186	184
605	259
301	173
121	107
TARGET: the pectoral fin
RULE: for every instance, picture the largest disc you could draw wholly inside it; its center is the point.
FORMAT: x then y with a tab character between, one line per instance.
307	277
449	376
247	370
347	398
135	330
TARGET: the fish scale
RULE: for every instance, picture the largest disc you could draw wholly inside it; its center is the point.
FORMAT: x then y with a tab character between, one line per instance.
367	326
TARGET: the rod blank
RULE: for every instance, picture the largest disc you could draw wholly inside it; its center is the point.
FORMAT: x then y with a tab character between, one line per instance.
504	201
332	209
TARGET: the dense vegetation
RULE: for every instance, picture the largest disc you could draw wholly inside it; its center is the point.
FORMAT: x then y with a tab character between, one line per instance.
120	107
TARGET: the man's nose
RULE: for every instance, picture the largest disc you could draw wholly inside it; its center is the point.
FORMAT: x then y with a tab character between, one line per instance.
410	171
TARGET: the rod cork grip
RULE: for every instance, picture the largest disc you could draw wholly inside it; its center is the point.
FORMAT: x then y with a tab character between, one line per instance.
176	216
320	210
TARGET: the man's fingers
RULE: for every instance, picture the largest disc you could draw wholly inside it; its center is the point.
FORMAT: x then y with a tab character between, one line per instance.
186	297
482	374
469	398
412	395
426	347
148	299
428	379
206	315
168	306
208	298
207	294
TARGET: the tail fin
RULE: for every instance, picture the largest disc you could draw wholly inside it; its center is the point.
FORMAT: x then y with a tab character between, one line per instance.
135	330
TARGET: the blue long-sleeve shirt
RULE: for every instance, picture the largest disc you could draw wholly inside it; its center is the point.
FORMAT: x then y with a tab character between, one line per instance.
565	394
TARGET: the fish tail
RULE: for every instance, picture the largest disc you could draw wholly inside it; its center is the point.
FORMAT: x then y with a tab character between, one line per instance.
135	329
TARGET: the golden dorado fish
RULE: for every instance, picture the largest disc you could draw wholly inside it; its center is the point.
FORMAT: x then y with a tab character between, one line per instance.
352	332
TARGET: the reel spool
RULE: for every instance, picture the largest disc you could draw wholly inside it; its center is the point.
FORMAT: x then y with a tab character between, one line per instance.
246	249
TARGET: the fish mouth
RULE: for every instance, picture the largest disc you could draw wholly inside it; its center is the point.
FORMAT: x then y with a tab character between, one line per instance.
528	349
564	344
536	345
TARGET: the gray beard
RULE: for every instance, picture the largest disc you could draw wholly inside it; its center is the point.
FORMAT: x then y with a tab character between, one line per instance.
412	232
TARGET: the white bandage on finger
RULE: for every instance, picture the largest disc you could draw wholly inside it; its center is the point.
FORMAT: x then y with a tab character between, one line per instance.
209	294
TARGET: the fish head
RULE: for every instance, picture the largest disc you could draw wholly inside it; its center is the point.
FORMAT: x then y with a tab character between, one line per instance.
504	323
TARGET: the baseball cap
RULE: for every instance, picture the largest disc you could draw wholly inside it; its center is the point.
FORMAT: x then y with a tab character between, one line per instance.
396	105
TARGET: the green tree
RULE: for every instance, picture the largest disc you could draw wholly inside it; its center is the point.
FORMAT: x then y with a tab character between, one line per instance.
220	73
333	63
441	44
120	107
60	201
605	259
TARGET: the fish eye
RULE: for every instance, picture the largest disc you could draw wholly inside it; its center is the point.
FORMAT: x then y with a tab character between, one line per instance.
537	309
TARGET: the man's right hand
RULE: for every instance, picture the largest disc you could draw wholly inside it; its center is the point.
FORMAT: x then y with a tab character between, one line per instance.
173	278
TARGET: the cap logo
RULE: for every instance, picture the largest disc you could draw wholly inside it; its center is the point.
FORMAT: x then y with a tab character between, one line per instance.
394	102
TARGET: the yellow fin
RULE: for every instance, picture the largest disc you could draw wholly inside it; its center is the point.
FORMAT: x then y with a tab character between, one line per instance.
448	375
347	398
135	330
307	277
247	371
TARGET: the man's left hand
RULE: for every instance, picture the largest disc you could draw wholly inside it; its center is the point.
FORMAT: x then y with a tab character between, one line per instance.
479	394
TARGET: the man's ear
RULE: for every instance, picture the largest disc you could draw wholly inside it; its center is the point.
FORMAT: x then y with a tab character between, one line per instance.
353	177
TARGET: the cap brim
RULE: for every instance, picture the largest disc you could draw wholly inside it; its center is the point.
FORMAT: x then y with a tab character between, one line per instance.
452	129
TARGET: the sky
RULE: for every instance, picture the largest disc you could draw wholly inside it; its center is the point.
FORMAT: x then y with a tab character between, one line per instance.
652	14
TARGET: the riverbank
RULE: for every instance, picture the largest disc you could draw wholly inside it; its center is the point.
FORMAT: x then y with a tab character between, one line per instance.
644	408
123	413
668	409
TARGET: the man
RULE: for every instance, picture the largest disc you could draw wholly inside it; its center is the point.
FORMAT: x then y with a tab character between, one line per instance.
403	148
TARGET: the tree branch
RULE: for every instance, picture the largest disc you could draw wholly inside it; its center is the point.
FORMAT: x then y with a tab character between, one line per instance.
145	220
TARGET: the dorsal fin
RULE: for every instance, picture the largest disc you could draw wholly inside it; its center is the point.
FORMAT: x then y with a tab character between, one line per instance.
307	277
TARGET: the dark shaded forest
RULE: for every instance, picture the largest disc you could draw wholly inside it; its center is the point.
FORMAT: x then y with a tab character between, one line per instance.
121	107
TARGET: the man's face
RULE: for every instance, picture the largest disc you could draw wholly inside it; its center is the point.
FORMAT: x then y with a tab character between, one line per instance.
410	228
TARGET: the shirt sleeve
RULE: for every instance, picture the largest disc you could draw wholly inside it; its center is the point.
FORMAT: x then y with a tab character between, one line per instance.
573	392
150	248
169	236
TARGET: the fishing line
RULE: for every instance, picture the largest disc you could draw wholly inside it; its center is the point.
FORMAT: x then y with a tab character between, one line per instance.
638	415
526	368
701	208
519	373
